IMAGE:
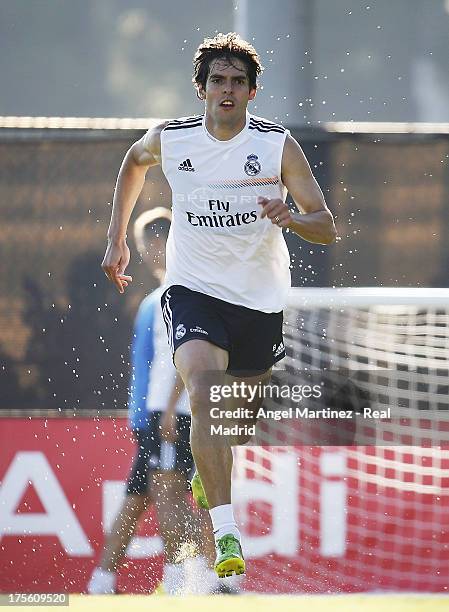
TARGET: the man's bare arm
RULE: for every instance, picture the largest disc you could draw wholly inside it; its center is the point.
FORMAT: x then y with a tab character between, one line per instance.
143	154
315	222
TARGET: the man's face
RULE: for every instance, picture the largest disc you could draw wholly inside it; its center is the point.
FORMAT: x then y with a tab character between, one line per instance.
227	90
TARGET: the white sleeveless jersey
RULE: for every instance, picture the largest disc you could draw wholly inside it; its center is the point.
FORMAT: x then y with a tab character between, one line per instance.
218	244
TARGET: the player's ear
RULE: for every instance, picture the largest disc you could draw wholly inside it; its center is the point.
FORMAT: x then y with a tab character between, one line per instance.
252	93
200	92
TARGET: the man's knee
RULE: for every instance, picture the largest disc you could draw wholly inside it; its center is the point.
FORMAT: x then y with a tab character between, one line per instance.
201	364
199	395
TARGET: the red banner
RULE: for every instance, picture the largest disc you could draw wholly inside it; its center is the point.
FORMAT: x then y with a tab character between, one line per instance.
313	520
61	481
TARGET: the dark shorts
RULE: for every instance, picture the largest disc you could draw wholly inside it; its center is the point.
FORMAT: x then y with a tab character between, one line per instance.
150	455
252	338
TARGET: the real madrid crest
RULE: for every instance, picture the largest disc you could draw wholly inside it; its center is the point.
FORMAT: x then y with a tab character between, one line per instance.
252	166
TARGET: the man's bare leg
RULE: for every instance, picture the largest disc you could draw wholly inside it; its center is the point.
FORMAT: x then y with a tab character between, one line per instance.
214	462
213	458
104	579
175	519
252	406
122	531
194	360
207	536
173	511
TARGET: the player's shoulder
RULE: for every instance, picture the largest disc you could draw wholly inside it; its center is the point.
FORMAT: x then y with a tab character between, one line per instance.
265	126
150	143
183	123
156	128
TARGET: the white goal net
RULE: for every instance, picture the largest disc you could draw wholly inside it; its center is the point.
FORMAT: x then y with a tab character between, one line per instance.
372	514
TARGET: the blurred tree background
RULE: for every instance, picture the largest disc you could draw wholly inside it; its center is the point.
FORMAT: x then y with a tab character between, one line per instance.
326	61
97	58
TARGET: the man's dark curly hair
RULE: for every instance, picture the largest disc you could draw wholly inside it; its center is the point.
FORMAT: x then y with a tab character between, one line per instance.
227	46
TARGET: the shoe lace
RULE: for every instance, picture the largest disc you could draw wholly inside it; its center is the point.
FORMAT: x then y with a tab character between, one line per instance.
226	541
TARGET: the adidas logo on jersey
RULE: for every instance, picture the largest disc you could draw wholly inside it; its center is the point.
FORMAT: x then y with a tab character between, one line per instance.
187	166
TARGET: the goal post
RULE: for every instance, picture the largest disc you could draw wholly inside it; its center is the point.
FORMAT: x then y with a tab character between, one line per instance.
320	517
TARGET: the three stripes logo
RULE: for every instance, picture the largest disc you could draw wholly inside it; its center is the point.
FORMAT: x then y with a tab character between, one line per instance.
187	166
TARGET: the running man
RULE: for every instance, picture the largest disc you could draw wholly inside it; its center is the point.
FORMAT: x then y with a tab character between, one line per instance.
159	417
227	261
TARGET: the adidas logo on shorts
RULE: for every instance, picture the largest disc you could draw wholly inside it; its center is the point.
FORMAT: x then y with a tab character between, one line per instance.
277	350
187	166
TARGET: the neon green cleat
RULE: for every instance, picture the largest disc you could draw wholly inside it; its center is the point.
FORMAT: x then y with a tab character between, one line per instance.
229	559
198	492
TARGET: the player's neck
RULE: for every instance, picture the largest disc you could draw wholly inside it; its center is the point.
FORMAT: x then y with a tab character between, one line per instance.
226	131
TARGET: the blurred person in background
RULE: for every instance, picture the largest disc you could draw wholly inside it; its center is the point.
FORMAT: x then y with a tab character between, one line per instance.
159	417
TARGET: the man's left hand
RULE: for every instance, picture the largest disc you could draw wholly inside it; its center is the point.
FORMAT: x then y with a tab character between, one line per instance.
276	210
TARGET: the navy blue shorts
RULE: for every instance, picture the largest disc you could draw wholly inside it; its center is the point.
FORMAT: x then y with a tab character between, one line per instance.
252	338
152	455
